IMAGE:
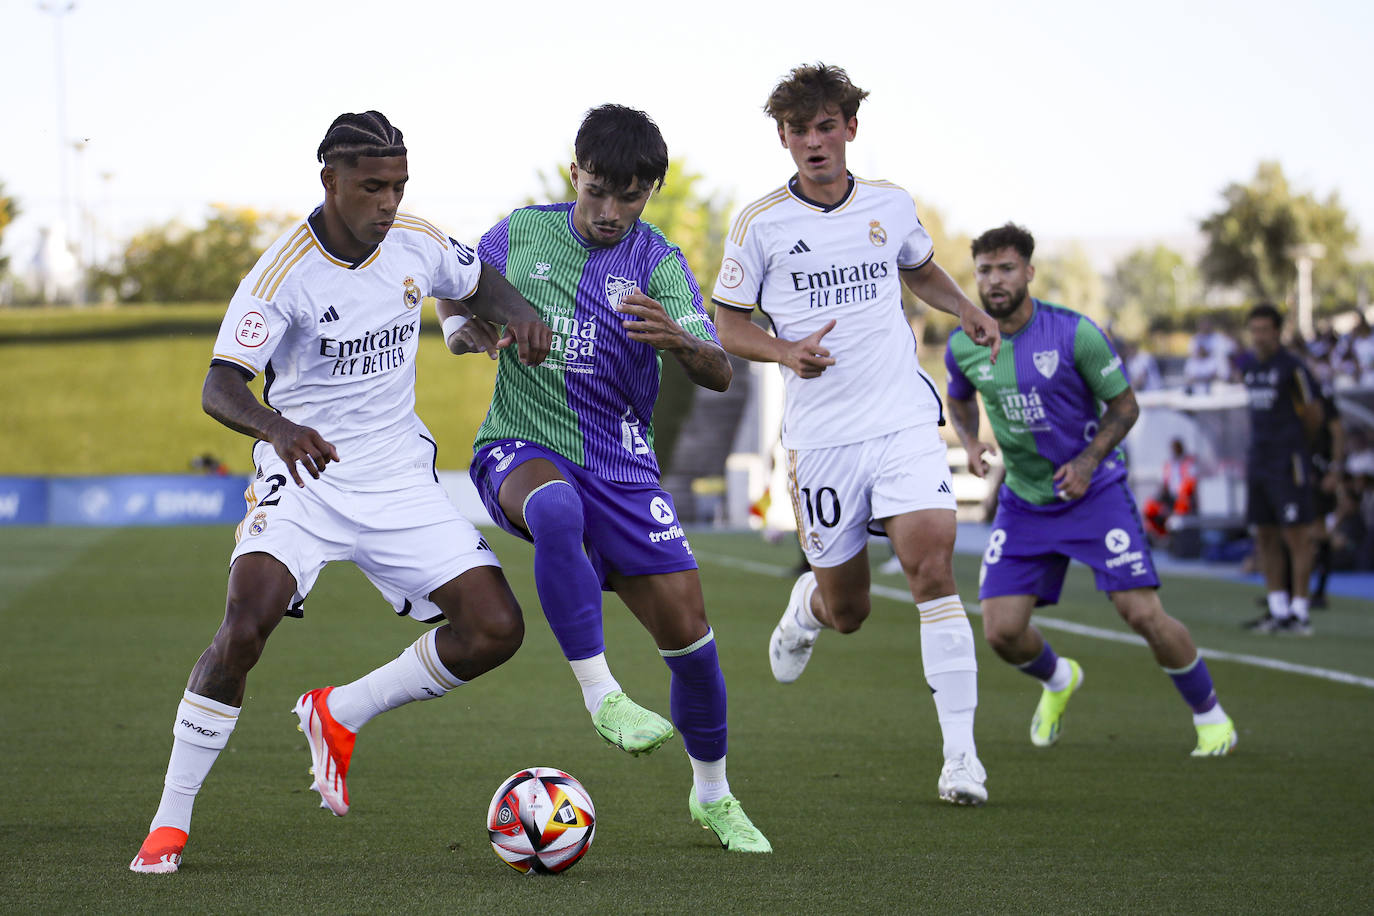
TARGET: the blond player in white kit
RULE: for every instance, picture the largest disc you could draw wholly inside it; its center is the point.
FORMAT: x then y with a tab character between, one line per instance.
331	315
823	258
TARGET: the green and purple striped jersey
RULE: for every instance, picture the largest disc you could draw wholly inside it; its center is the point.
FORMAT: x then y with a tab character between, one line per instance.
1043	398
592	400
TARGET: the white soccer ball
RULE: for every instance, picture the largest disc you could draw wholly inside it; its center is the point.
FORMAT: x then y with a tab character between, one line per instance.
541	819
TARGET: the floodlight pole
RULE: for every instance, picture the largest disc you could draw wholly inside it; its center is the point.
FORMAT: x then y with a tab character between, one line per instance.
58	10
1305	255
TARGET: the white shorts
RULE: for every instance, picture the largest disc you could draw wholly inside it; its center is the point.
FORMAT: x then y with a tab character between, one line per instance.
407	541
837	492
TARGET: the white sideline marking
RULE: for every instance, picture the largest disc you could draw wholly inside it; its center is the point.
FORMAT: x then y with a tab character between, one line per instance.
1080	629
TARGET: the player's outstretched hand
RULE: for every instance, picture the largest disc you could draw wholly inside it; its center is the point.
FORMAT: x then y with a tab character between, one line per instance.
649	322
532	337
807	357
978	464
302	444
477	336
982	329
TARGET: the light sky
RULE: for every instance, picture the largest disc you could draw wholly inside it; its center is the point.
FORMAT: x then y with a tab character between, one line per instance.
1083	120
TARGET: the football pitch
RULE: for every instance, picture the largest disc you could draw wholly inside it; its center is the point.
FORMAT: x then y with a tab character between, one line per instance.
101	628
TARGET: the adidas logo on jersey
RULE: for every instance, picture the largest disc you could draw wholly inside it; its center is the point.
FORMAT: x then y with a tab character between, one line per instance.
800	247
944	487
329	315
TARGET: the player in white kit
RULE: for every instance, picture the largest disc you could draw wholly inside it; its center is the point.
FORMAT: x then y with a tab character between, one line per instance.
331	315
823	258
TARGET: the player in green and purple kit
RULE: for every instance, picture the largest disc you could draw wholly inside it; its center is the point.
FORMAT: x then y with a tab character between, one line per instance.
1065	495
565	456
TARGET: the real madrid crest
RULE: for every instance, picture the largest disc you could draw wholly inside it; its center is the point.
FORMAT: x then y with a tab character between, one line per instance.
411	294
259	524
876	234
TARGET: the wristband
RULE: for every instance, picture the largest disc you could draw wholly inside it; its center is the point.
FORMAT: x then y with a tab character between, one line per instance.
453	324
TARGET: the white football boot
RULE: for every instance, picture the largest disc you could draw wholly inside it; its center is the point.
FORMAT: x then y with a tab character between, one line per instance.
789	648
962	781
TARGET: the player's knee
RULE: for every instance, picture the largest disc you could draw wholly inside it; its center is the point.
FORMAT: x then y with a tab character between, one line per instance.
554	510
1141	612
243	633
504	630
1001	635
931	576
848	616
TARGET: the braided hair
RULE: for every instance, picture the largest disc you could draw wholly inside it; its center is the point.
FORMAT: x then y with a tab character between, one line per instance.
352	136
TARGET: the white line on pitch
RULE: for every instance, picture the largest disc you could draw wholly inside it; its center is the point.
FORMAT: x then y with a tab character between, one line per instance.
1080	629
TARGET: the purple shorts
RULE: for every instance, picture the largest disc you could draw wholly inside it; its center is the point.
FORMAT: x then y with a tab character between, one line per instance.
630	529
1030	546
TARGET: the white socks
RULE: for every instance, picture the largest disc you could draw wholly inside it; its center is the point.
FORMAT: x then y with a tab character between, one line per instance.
200	731
595	677
1278	605
1062	677
803	615
415	674
951	670
709	779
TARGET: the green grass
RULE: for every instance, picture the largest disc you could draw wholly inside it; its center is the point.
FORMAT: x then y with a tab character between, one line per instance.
102	627
117	391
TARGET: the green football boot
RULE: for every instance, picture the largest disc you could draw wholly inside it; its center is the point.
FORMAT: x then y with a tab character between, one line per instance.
1216	740
731	825
625	724
1044	729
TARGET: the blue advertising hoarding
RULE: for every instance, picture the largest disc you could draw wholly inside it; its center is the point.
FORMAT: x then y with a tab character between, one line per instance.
169	499
23	501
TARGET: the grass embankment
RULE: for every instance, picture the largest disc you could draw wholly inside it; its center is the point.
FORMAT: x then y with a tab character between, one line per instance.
117	391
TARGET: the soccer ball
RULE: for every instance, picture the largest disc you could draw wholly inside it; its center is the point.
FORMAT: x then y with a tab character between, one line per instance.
541	819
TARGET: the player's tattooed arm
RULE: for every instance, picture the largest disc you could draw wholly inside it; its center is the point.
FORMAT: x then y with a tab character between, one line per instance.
498	303
1071	480
647	321
705	364
227	398
964	414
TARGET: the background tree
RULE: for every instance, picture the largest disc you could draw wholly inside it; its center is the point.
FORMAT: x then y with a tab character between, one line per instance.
1069	279
1149	287
932	326
9	212
175	263
1251	239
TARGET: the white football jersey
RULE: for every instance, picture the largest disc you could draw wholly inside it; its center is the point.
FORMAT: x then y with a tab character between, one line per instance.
337	342
803	264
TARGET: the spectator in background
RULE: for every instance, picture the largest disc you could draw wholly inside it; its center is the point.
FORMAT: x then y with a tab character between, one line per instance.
1324	342
209	464
1281	499
1359	454
1177	490
1142	370
1351	545
1353	356
1328	459
1209	358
